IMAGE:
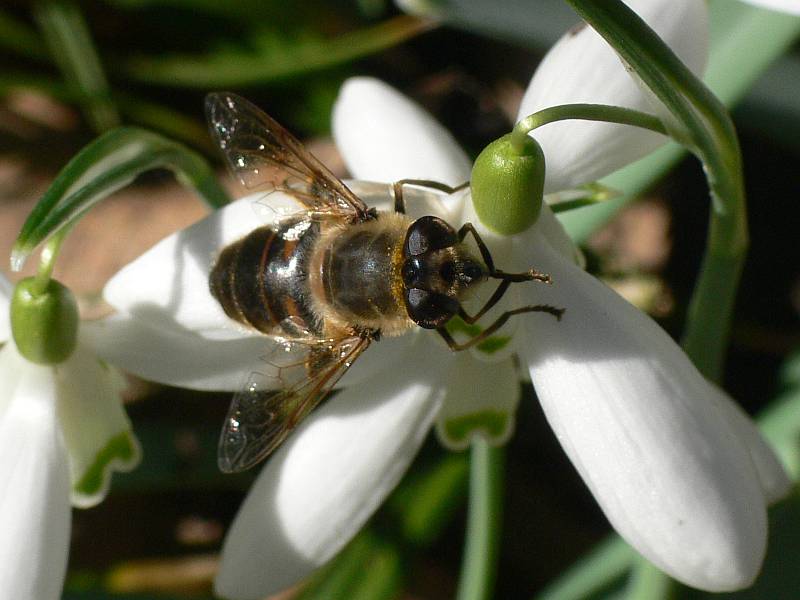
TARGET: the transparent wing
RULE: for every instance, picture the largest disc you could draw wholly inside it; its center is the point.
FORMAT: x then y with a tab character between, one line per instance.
295	379
261	154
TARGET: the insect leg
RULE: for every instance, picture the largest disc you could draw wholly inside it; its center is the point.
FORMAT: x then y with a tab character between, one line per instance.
501	320
498	293
399	201
530	275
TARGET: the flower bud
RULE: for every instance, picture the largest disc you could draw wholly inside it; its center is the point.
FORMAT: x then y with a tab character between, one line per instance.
44	324
507	185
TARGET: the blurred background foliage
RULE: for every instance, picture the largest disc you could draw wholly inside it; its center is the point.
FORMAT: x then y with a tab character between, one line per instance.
72	70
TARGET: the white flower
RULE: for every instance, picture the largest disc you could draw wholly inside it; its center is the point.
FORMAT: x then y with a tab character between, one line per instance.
62	432
678	470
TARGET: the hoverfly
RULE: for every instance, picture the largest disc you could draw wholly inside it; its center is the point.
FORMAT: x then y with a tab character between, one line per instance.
326	282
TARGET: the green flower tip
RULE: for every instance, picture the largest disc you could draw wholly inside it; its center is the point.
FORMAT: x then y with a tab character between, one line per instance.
121	453
508	184
44	323
494	425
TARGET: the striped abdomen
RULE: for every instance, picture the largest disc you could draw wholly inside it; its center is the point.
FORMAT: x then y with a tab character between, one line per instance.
262	279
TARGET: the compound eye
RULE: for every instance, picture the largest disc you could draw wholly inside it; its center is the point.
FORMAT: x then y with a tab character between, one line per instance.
428	309
429	233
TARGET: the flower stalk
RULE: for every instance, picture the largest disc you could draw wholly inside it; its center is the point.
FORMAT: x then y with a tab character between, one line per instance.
484	521
106	165
584	112
707	128
47	262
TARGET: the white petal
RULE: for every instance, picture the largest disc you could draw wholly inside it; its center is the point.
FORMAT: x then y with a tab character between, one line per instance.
481	399
168	285
185	359
789	6
384	136
97	433
643	430
6	289
774	480
34	487
317	491
582	67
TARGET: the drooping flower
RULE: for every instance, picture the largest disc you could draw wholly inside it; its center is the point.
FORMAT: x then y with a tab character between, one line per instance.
62	432
678	470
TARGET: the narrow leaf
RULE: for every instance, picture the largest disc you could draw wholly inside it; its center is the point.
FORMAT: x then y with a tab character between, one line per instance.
585	195
107	164
275	59
425	503
70	43
17	37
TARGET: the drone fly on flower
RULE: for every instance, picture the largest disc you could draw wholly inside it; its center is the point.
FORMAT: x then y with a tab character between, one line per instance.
327	281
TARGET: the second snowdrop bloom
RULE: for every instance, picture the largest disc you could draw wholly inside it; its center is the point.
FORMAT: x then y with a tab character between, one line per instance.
63	431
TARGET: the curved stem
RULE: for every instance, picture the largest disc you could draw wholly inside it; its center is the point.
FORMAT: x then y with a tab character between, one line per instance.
646	582
484	520
47	262
712	137
584	112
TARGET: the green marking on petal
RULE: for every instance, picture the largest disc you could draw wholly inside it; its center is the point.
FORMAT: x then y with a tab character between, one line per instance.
493	423
489	346
121	448
493	344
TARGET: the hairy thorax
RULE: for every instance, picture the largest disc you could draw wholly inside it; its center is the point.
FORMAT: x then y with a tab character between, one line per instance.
355	275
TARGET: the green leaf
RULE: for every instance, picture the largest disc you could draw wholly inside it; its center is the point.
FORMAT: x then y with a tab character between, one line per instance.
780	424
599	570
275	57
382	575
424	504
790	371
368	568
136	108
70	43
585	195
20	39
107	164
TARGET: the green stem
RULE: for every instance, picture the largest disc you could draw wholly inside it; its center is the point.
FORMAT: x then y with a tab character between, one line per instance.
70	42
47	261
701	122
647	582
712	137
484	521
607	563
585	112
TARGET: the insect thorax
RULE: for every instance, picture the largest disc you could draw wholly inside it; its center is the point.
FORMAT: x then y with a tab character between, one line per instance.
357	269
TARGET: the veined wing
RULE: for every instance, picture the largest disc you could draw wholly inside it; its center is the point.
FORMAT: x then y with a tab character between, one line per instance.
261	154
269	406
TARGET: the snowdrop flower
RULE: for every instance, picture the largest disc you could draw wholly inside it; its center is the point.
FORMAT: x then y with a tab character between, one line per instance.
679	471
62	432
